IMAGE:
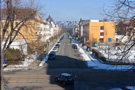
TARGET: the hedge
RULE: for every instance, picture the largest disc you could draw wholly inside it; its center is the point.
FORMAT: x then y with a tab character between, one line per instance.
98	55
12	53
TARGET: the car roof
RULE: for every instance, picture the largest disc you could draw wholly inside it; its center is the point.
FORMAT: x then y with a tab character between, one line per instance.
73	44
66	74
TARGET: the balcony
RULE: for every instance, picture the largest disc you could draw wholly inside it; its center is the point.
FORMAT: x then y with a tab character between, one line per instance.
101	30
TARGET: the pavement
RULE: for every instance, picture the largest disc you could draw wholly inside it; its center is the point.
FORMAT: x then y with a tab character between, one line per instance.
68	60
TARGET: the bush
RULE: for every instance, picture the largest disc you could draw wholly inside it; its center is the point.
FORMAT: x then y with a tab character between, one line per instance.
90	47
12	53
98	55
103	58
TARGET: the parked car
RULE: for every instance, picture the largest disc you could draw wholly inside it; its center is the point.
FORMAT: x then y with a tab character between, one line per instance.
57	45
65	79
52	55
74	46
71	41
55	49
58	42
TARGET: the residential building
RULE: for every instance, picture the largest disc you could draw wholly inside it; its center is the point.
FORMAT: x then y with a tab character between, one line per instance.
81	23
31	28
96	31
51	27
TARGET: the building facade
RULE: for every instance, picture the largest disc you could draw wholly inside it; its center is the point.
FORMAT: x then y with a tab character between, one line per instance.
103	32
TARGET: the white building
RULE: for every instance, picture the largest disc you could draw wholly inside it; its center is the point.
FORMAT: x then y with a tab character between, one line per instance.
51	27
18	44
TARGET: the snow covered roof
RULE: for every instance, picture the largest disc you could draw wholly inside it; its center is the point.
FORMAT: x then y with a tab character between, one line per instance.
91	20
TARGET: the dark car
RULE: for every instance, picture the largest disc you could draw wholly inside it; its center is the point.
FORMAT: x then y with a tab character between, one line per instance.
65	79
57	45
59	42
74	46
52	55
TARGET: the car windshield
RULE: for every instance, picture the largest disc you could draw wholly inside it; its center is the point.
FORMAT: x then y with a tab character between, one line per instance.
54	48
74	45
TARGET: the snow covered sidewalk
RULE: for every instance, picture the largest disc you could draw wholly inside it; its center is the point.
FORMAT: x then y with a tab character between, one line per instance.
23	66
93	62
46	57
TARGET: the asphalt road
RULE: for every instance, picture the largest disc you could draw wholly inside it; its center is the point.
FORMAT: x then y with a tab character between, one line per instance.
70	61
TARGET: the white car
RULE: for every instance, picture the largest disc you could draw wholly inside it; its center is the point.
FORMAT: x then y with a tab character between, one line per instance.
55	49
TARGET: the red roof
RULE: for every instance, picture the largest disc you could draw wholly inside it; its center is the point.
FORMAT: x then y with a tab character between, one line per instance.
41	19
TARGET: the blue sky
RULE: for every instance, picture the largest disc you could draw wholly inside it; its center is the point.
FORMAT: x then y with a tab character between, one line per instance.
73	10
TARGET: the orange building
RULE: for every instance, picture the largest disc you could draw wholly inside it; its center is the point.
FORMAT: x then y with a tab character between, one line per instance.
103	32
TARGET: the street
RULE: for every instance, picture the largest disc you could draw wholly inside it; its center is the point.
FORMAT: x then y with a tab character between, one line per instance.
68	60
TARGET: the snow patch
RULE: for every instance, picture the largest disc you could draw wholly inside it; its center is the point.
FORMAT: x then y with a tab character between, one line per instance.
46	57
93	62
23	66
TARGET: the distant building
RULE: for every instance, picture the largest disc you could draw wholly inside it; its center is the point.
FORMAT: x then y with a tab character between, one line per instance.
51	27
81	23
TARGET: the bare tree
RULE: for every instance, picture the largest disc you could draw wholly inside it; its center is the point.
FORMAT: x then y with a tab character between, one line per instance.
11	12
124	11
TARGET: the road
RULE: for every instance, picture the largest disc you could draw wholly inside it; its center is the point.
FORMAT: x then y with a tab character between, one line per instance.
70	61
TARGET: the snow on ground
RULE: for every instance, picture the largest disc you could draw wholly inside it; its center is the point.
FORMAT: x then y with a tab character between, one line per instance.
24	65
93	62
115	53
46	57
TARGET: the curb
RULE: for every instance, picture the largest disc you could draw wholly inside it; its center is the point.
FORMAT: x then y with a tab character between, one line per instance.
46	57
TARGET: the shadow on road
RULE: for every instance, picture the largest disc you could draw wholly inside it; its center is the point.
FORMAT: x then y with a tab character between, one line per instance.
88	78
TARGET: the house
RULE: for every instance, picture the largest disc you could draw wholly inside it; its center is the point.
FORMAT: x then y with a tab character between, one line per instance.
51	27
124	30
81	23
28	30
42	31
97	31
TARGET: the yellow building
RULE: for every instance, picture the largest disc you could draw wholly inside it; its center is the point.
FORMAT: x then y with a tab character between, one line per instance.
103	32
29	29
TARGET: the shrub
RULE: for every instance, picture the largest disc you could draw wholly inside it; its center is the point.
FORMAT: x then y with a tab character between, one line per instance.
12	53
98	55
90	47
103	58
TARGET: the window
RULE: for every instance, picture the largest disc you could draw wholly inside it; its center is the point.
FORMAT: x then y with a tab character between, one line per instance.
101	40
101	33
102	28
110	40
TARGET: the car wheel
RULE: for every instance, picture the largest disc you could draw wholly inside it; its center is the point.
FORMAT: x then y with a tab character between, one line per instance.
64	83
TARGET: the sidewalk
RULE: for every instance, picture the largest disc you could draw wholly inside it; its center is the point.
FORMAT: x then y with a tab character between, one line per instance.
92	61
30	64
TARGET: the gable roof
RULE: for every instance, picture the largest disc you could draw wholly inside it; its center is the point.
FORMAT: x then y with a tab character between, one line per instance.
82	22
49	19
20	13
